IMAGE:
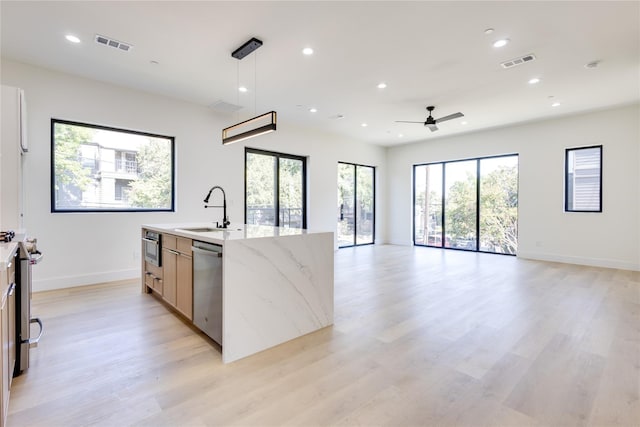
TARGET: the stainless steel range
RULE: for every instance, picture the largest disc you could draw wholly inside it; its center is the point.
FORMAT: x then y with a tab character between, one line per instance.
29	256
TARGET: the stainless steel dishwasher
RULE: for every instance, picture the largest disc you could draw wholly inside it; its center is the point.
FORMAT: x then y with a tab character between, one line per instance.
207	289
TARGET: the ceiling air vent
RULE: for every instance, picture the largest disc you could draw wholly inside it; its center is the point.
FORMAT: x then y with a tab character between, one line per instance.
106	41
224	107
518	61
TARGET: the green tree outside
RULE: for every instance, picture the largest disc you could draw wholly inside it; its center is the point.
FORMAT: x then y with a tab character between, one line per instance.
152	189
68	170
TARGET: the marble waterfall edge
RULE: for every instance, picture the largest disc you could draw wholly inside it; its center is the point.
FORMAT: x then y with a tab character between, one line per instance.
275	289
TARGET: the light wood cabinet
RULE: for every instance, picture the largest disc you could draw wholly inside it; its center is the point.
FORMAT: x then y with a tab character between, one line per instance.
4	333
170	269
184	273
174	280
7	333
152	275
178	273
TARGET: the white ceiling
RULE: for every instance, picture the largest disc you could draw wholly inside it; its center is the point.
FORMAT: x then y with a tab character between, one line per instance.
428	53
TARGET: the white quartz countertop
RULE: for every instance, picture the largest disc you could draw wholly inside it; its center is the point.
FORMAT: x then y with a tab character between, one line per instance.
233	232
8	249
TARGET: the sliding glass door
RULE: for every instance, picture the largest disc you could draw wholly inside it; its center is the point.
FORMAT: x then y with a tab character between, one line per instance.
428	205
275	189
498	205
356	204
468	204
460	204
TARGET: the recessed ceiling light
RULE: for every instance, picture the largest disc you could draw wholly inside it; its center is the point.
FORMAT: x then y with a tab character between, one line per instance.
555	104
72	38
382	85
500	43
313	110
364	125
534	81
242	89
400	135
489	31
464	123
307	51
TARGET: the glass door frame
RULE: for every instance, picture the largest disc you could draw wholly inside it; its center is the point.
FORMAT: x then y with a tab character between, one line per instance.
278	156
478	160
355	200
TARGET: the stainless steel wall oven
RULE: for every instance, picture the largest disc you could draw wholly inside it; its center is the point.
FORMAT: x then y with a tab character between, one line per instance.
152	247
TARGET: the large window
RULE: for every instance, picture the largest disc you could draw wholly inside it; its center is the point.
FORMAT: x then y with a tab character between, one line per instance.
583	179
275	189
468	204
98	168
356	204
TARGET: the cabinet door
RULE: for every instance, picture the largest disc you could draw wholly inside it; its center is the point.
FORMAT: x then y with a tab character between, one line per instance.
185	286
4	337
11	324
170	267
11	314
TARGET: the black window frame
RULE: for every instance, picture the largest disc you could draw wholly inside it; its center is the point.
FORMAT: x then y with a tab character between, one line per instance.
443	217
355	197
54	209
567	179
278	156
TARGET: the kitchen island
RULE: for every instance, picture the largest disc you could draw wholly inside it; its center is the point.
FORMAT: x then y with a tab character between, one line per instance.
277	283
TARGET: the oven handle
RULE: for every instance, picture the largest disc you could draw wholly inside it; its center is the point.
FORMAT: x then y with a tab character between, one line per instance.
34	341
155	242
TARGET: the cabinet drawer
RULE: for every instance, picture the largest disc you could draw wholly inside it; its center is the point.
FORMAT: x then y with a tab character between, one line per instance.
183	245
153	269
148	280
169	241
157	285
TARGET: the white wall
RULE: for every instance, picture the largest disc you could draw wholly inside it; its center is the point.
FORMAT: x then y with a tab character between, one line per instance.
86	248
546	232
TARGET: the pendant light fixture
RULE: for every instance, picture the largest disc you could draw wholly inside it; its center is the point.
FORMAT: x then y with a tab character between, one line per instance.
255	126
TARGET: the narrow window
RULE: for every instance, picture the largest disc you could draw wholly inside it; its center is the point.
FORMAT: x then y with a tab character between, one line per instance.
583	179
102	169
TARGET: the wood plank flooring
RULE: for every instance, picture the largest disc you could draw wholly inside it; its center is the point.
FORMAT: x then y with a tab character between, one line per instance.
421	337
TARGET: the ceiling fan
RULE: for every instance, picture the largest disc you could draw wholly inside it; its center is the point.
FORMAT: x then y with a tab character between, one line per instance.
431	122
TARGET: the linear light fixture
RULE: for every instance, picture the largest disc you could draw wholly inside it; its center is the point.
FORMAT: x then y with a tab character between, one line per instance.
258	125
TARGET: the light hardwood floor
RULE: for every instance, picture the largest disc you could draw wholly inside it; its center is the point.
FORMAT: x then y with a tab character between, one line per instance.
421	337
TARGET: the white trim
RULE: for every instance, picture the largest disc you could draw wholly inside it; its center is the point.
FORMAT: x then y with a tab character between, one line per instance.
84	280
594	262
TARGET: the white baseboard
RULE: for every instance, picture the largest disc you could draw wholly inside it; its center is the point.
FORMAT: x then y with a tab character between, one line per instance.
594	262
52	283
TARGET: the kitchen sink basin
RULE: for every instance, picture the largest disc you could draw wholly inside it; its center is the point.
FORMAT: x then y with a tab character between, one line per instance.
207	229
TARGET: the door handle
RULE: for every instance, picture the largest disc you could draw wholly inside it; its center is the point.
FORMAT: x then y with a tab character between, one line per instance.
33	342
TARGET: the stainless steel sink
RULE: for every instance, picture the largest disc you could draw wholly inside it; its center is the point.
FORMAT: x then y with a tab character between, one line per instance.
207	229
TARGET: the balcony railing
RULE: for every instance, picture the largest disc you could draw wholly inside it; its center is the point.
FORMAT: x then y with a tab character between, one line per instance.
127	166
289	217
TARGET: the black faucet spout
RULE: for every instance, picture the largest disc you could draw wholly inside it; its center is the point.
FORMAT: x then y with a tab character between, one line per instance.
225	218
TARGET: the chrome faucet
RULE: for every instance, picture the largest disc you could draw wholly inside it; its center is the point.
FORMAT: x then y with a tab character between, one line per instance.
225	218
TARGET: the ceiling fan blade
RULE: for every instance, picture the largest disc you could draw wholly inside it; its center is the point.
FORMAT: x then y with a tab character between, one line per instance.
404	121
449	117
432	128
